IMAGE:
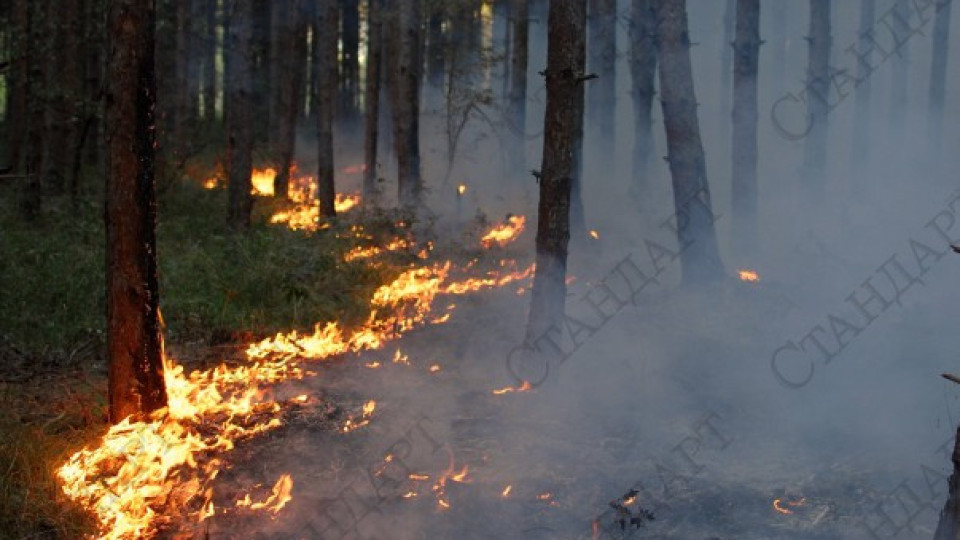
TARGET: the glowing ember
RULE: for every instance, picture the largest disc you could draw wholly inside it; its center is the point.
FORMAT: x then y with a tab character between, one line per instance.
210	183
461	189
503	234
778	505
749	275
435	368
525	387
545	496
506	491
594	234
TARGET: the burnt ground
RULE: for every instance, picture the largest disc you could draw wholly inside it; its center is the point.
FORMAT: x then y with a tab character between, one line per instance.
687	413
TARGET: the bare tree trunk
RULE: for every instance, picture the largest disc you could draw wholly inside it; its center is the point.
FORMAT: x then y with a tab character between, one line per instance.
435	45
517	107
818	81
372	103
726	56
697	239
238	74
195	45
136	385
862	131
948	528
938	71
94	53
326	88
778	42
178	142
210	63
643	70
18	106
281	91
407	123
349	61
31	196
602	35
563	128
746	60
288	89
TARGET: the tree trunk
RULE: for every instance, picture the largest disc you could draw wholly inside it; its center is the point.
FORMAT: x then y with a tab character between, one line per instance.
136	384
563	128
238	74
326	89
209	63
288	89
18	105
948	528
938	71
31	196
862	131
726	56
372	103
517	107
697	239
643	69
407	123
178	142
435	45
818	84
602	34
349	61
281	91
746	59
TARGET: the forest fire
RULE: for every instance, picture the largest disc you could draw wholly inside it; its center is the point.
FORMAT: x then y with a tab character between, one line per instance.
749	276
503	234
167	462
525	387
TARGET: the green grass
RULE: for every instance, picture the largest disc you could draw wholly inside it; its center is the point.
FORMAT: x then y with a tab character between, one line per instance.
214	285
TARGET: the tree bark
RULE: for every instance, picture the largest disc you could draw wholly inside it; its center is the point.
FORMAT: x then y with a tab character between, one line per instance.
209	63
349	61
818	84
602	34
563	129
517	107
746	59
938	71
327	21
136	384
699	255
726	55
407	113
435	45
281	92
18	106
32	195
948	528
643	69
238	73
372	103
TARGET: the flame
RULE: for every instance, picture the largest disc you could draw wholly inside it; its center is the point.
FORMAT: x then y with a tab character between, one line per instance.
278	498
784	510
210	183
525	387
594	234
749	275
461	189
503	234
167	461
361	252
506	491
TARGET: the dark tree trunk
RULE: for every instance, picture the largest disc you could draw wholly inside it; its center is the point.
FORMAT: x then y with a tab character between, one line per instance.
349	60
407	112
289	67
238	75
726	56
778	40
178	142
862	131
563	129
602	34
209	63
196	38
697	239
326	89
136	385
94	53
435	45
31	196
938	70
166	71
517	107
18	105
268	48
818	84
948	527
372	103
643	70
745	64
63	81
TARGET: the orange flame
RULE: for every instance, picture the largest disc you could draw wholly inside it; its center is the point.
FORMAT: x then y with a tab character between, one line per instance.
525	387
277	499
749	276
784	510
505	233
